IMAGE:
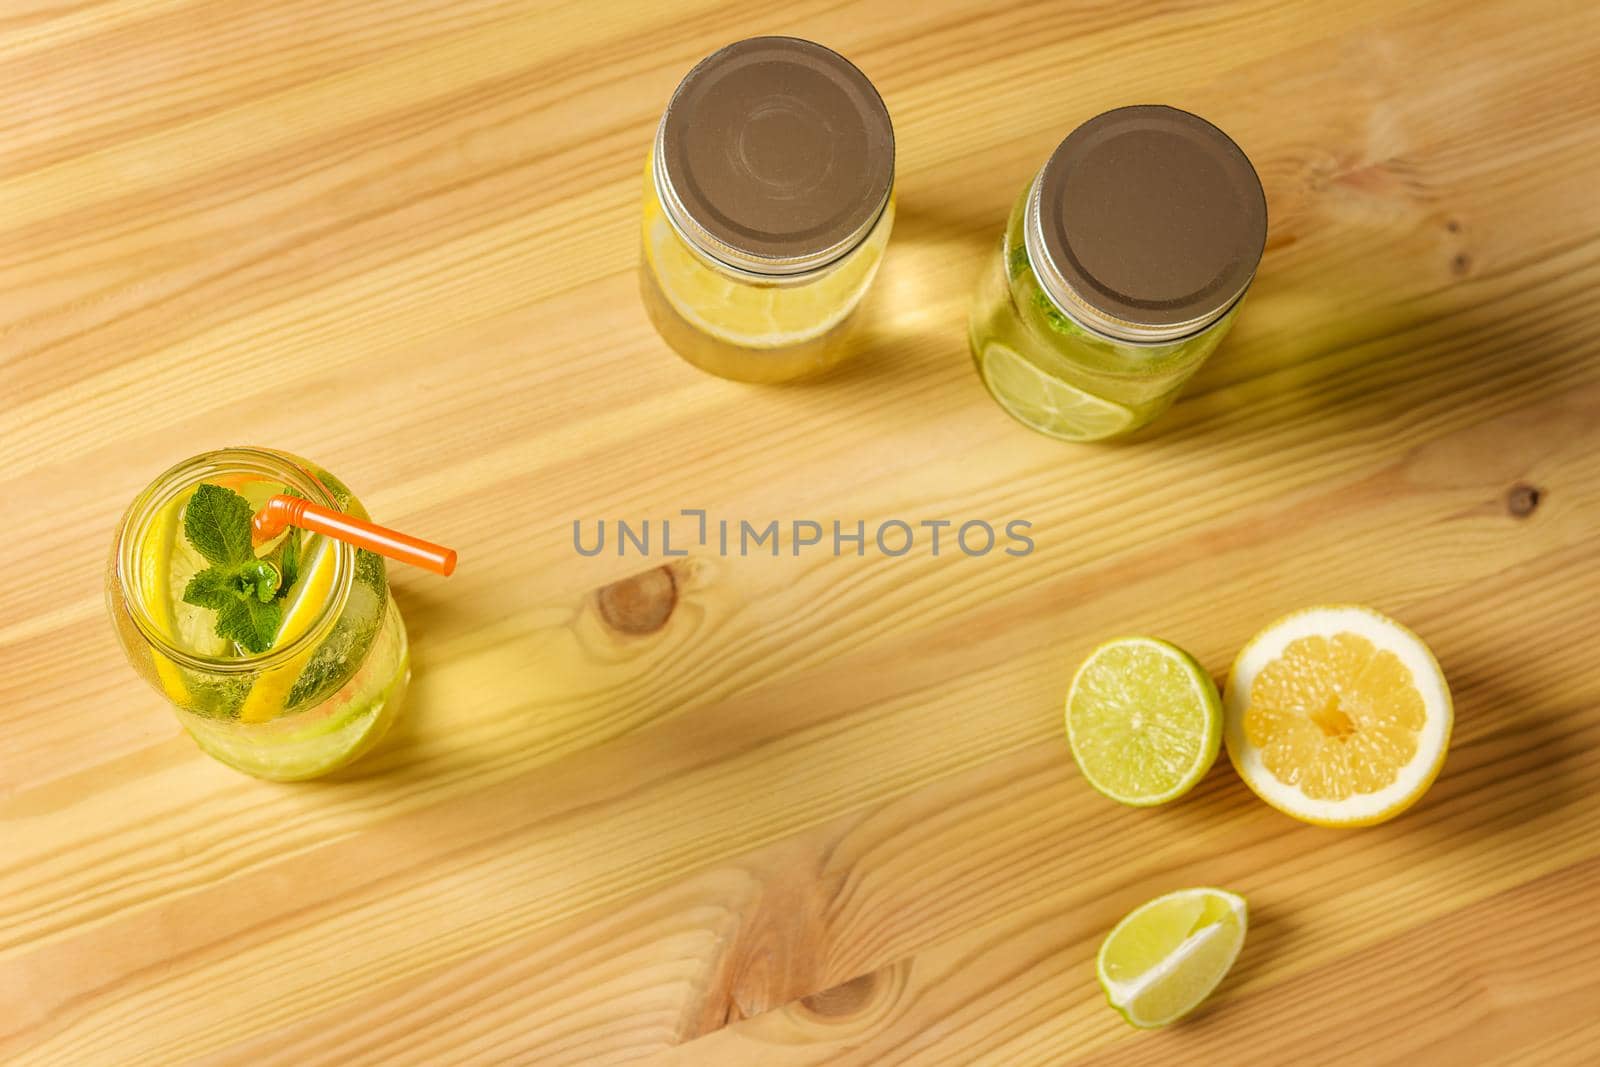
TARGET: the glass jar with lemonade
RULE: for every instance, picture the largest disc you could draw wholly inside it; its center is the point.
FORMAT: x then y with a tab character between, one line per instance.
768	200
284	660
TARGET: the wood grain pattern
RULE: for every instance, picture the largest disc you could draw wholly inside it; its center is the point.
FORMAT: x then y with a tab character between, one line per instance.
798	810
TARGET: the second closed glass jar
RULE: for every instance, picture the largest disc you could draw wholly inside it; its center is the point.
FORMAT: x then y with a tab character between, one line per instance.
1121	268
768	200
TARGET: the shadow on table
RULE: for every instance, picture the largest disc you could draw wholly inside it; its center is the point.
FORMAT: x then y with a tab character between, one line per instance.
1507	764
1301	358
428	608
909	323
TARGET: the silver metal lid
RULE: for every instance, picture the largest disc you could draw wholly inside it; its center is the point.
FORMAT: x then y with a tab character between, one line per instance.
1146	224
775	156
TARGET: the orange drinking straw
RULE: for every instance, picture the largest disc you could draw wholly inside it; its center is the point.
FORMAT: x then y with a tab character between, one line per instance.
283	511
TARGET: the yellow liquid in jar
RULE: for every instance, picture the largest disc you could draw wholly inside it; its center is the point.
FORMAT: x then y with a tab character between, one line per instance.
747	329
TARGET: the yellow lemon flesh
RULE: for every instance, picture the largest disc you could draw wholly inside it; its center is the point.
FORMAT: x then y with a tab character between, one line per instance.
166	562
1337	716
750	314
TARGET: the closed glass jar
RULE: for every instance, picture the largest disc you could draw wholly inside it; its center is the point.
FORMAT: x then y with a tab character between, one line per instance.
335	674
1121	269
768	201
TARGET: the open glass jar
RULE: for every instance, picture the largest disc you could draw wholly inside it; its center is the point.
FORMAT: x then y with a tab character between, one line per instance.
1120	270
768	200
324	687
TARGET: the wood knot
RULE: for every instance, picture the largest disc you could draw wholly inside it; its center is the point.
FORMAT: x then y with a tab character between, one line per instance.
846	998
1461	264
1522	499
1453	225
640	604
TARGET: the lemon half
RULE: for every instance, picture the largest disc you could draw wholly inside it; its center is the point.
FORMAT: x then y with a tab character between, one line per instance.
1337	716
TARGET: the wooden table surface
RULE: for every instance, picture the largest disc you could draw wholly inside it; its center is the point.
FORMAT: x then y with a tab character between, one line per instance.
756	811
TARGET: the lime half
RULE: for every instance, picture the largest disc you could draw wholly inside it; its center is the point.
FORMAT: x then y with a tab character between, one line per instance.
1144	720
1166	956
1046	403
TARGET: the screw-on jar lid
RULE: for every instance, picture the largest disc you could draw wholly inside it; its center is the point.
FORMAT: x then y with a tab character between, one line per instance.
775	155
1147	223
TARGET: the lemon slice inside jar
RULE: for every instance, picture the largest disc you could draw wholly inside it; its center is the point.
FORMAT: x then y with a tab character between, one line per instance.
753	314
166	562
269	693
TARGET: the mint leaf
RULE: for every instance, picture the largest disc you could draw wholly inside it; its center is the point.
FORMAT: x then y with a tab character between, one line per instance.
217	523
249	622
344	650
242	590
245	600
1017	262
218	696
259	578
211	588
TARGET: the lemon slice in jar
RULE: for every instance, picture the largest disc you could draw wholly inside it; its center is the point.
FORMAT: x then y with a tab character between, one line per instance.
752	314
270	691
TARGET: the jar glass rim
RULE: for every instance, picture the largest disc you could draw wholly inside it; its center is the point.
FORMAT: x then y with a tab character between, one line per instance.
272	465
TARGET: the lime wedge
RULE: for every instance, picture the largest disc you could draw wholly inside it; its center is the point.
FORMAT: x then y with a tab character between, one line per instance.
1166	956
1046	403
1144	720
